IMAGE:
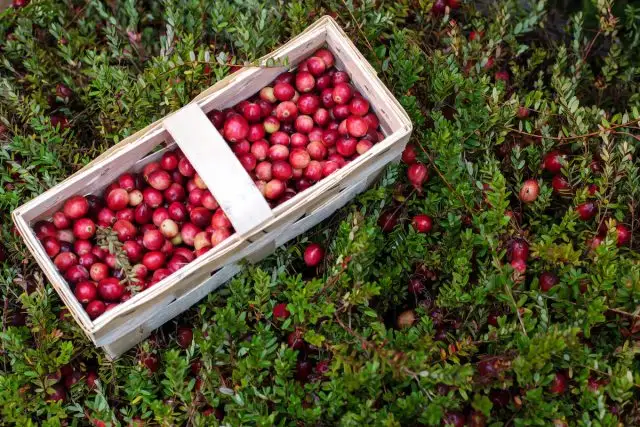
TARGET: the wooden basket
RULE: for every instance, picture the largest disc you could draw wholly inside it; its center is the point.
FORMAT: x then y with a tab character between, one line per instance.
259	229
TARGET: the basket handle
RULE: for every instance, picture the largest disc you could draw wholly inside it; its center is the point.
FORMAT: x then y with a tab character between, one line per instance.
219	168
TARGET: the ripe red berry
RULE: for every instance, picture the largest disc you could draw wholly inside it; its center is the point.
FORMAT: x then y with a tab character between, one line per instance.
519	265
86	292
184	337
280	311
236	128
529	191
117	199
586	210
84	228
422	223
110	289
438	7
313	255
342	93
76	207
305	82
559	384
519	250
409	154
95	308
418	174
560	184
523	112
296	339
502	75
623	235
151	362
547	281
356	126
553	161
388	220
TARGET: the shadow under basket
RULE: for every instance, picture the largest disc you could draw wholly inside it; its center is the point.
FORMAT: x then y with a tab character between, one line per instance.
259	229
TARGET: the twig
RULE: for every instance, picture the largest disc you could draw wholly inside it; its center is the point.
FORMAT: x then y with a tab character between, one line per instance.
584	57
569	138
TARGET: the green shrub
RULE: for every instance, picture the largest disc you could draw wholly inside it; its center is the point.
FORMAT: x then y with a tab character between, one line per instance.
485	340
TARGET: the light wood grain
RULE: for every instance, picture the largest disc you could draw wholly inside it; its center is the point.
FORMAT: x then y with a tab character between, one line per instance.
219	168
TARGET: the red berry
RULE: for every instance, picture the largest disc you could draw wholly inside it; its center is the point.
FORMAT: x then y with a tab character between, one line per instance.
305	82
418	174
99	271
346	147
560	184
502	75
342	93
553	161
388	220
186	168
439	7
76	207
84	228
236	128
559	384
422	223
125	230
586	210
286	112
92	377
280	311
154	260
623	235
76	274
308	104
117	199
519	265
303	370
295	339
274	189
316	66
51	246
357	126
86	292
110	289
326	56
313	255
159	179
271	124
58	394
529	191
453	4
95	308
151	362
519	250
409	154
283	92
523	112
184	337
547	281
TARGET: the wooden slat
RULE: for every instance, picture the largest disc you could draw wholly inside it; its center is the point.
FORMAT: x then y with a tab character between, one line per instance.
219	168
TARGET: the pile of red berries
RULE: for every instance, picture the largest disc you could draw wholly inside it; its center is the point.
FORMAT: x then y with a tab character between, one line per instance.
304	127
164	218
